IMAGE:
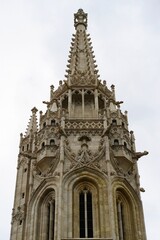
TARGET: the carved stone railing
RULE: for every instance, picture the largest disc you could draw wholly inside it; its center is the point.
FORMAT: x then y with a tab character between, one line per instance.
84	124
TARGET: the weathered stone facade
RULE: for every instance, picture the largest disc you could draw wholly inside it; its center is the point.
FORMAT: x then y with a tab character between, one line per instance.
77	174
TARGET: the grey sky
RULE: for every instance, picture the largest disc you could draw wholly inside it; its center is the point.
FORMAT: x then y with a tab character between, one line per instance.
35	39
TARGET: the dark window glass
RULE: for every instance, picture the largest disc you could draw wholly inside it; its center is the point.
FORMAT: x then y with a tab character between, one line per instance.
82	215
89	215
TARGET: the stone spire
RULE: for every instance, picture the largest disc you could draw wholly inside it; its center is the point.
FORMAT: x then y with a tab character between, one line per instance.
32	125
82	68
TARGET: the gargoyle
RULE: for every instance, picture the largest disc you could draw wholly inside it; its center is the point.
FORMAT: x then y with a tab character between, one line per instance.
141	154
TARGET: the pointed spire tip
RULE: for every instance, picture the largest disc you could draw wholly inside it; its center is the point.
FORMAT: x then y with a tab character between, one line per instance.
34	110
80	18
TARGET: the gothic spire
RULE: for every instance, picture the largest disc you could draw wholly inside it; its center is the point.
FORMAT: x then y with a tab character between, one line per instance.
82	68
32	125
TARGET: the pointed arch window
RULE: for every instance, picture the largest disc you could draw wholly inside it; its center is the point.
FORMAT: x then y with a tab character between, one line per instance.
53	122
116	142
86	209
114	122
46	217
50	219
65	102
89	104
125	216
101	103
120	215
85	214
52	142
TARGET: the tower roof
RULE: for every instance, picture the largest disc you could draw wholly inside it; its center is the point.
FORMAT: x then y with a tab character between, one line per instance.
82	68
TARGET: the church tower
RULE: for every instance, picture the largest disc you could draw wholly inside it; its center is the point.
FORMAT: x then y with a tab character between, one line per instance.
77	174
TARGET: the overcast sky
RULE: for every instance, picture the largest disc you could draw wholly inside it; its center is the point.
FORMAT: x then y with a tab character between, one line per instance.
35	38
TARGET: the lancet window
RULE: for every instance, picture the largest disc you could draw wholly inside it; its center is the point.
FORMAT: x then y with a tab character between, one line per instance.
116	142
52	142
89	104
101	103
51	219
65	102
125	216
77	104
86	211
120	215
85	214
46	217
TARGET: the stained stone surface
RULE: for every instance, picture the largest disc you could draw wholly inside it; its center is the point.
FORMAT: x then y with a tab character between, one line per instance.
82	146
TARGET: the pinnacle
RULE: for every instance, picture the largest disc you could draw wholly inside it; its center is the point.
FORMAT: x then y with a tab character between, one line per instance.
32	125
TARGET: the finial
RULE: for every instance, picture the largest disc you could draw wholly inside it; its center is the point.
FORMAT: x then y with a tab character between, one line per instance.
52	87
60	82
112	87
34	110
80	18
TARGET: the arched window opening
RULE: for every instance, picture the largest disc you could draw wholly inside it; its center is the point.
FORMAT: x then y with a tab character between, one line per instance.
23	195
50	220
77	98
123	124
44	124
20	222
116	142
52	142
125	144
43	145
114	122
76	104
126	225
53	122
85	214
120	215
46	217
89	104
101	102
65	102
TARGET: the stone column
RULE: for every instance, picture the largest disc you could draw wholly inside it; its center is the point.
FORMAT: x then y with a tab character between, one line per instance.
96	102
59	223
51	220
69	102
83	103
110	192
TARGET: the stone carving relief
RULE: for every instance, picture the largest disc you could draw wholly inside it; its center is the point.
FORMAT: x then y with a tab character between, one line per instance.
85	157
45	169
23	160
118	170
84	125
74	132
18	214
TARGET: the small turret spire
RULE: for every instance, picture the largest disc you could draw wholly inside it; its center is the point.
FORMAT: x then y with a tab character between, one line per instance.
32	126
